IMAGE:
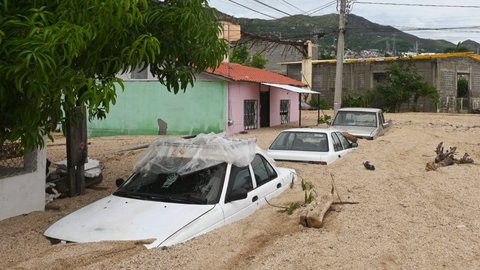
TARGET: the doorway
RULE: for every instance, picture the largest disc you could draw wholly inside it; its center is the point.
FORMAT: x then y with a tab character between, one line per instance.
463	87
265	109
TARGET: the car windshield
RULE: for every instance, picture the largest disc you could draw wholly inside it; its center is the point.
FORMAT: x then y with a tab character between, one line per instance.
301	141
199	187
355	118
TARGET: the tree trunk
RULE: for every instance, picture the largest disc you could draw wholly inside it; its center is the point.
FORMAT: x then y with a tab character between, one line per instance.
76	136
314	213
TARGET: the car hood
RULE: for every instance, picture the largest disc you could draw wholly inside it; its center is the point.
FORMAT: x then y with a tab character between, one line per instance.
118	218
365	132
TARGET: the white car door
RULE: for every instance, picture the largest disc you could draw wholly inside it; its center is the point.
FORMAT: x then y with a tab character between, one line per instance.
240	181
268	183
340	144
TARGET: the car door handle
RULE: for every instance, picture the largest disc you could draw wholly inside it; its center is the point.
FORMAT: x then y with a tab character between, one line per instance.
255	198
279	185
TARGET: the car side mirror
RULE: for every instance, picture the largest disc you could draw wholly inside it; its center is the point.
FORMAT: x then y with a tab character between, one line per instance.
354	145
119	182
238	194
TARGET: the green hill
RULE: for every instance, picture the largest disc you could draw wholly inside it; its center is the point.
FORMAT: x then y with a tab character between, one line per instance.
471	45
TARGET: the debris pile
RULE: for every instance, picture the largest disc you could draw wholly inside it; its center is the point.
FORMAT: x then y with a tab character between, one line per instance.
447	158
57	182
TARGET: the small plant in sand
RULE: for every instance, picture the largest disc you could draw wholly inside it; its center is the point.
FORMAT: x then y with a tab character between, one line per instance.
324	119
309	197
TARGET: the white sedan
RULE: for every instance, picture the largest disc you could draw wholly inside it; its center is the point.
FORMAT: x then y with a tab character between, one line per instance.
180	189
316	145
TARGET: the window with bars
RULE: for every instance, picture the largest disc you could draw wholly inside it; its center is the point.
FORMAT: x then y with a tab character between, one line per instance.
250	114
284	111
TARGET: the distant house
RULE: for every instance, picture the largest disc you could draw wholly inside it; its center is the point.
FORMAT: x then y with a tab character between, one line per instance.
232	98
440	70
259	98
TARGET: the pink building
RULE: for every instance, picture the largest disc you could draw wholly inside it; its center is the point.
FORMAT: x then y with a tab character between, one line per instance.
259	98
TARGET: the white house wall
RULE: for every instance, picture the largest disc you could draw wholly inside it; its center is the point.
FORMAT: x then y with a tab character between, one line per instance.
25	193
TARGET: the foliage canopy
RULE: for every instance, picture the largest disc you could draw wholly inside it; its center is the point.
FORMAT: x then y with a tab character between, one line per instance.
58	54
241	56
457	48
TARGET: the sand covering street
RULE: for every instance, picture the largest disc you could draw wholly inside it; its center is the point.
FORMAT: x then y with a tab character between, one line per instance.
407	217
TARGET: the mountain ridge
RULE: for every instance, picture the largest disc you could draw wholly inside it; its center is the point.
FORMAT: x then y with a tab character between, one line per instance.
361	34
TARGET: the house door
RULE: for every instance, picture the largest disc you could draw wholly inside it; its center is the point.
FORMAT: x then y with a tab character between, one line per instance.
265	109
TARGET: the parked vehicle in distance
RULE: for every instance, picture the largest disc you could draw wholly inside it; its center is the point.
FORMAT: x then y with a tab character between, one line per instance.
366	123
180	189
317	145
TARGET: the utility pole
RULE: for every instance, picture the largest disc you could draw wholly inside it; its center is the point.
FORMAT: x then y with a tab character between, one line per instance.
337	102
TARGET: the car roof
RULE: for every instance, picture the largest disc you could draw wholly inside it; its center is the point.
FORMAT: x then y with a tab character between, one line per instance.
201	151
312	130
360	109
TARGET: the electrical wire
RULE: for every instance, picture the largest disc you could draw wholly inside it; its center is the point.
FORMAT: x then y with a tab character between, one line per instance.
416	5
295	7
253	10
274	8
315	10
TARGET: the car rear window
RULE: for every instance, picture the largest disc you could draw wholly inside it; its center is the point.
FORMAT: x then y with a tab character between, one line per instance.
301	141
358	118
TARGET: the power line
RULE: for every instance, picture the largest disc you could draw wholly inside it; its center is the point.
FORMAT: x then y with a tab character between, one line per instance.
417	5
439	28
295	7
274	8
253	9
315	10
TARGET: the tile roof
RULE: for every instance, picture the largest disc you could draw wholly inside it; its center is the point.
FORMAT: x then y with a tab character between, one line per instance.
237	72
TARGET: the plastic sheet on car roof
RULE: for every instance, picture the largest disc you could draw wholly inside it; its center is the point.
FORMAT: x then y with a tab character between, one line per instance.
179	155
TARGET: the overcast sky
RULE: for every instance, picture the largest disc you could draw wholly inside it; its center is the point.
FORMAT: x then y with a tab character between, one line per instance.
400	17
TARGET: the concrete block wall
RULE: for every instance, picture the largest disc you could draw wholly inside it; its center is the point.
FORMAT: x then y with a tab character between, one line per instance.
358	77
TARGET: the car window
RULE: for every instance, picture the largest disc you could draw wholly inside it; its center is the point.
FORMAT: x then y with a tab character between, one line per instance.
240	178
345	143
284	141
382	119
301	141
263	171
355	118
199	187
337	145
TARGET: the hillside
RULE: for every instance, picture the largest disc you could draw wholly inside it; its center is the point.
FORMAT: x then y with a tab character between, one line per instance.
361	34
471	45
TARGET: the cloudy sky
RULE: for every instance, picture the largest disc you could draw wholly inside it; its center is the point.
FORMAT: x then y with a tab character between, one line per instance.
461	14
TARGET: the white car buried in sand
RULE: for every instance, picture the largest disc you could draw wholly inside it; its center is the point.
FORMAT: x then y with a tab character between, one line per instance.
180	189
366	123
316	145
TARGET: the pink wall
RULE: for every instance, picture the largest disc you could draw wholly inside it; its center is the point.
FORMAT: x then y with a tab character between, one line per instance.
237	93
277	94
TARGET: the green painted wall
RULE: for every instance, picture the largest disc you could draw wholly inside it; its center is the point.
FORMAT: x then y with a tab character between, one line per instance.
199	109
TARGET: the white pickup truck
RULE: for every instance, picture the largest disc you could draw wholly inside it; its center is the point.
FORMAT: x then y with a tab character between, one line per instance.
367	123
